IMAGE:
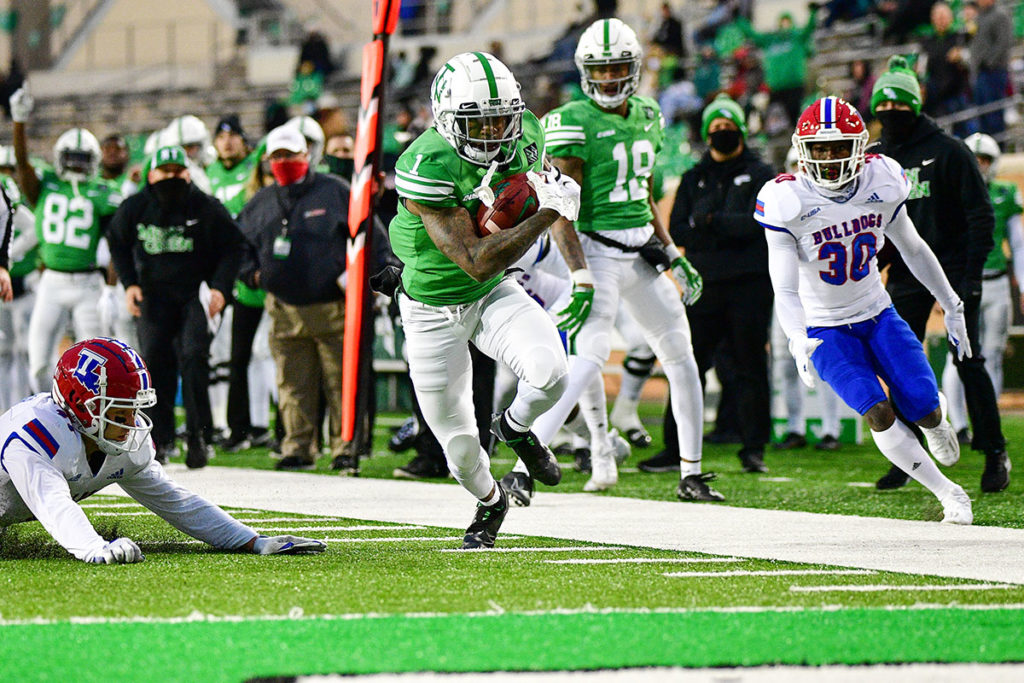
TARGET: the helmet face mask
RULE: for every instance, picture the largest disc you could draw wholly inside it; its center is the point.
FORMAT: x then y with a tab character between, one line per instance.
830	139
76	155
478	108
608	58
99	383
985	148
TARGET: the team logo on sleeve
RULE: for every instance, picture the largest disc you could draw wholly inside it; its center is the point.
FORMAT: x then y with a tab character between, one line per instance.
759	208
531	153
88	369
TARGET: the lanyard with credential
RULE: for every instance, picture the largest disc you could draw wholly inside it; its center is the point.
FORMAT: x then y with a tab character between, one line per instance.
283	242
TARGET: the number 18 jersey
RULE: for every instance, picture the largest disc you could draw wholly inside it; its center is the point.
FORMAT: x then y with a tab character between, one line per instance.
837	241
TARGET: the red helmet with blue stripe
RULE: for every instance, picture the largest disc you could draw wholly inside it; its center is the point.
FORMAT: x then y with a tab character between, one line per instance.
836	123
96	375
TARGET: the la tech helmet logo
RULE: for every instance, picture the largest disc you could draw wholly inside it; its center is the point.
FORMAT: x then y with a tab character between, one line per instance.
88	369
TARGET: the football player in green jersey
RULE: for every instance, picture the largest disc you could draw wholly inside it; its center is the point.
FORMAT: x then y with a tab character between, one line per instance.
454	290
609	143
72	207
996	295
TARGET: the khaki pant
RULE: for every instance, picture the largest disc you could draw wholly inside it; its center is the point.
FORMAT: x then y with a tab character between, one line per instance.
306	342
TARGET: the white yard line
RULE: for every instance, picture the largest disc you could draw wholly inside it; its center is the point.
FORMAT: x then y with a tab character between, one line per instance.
564	549
772	572
972	552
91	506
883	588
394	539
119	514
645	560
266	520
350	527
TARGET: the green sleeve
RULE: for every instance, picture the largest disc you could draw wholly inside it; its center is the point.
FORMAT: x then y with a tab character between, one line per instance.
421	175
564	133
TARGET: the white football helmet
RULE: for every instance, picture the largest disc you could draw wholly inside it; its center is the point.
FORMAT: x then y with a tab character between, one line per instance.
314	135
985	146
76	155
608	42
192	134
478	108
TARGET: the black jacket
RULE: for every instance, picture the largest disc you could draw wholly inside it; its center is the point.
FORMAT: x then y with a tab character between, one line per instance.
170	251
6	228
948	203
713	217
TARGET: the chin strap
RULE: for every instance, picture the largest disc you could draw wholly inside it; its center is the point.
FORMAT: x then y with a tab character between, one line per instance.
483	191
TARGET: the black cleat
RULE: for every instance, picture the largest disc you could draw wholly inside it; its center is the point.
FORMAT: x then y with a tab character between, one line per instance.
422	467
198	455
752	460
638	437
233	443
791	441
295	462
828	443
964	437
539	460
996	476
484	529
404	436
660	462
695	487
261	437
893	479
519	487
346	465
165	453
581	460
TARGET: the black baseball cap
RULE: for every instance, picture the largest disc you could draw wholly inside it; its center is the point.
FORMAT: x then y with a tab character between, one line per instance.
230	124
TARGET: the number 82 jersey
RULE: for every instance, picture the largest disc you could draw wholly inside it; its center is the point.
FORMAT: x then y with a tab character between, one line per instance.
68	217
837	240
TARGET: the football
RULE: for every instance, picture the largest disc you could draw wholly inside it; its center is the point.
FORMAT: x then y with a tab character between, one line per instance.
514	202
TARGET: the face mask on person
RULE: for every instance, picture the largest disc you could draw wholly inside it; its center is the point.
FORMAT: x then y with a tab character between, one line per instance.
725	141
289	171
896	123
170	192
340	167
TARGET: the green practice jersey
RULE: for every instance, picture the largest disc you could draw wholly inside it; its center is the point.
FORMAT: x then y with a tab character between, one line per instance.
1006	203
430	172
68	218
228	184
28	262
618	156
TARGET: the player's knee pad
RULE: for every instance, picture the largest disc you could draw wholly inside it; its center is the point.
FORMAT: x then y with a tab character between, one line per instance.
545	368
463	453
594	347
639	366
673	346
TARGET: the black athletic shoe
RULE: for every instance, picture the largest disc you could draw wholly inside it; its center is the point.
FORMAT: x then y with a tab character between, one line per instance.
581	460
662	461
964	437
261	437
519	487
234	443
752	460
828	443
996	476
295	462
422	467
198	455
404	436
486	522
893	479
791	441
539	460
695	487
346	465
638	437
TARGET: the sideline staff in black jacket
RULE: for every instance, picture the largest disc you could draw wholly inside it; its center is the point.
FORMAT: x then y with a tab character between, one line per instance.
949	204
164	242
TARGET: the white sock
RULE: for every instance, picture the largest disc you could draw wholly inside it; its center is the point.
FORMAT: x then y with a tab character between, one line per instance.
577	426
581	373
902	448
594	409
687	408
493	498
688	467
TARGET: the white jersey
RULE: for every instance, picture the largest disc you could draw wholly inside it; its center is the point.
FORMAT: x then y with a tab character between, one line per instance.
837	241
45	472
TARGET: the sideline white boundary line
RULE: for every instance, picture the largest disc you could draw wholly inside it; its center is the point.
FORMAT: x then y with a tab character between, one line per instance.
646	560
562	549
351	527
882	588
773	572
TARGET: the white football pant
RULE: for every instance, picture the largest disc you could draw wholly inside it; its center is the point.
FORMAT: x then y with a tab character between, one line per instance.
14	377
58	295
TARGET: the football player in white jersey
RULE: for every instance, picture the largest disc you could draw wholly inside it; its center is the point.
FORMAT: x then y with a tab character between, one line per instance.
824	227
59	448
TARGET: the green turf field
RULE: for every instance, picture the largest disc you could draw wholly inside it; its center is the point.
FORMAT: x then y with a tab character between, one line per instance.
368	604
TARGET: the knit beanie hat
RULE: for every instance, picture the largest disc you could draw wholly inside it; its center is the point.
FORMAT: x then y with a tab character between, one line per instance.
897	84
723	107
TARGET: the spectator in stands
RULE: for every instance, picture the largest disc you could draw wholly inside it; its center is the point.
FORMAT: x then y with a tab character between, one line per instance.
786	51
948	79
723	13
905	18
316	52
845	10
859	94
669	34
166	242
990	59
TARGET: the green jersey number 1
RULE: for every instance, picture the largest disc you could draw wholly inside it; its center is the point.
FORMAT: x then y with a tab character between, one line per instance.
67	220
628	186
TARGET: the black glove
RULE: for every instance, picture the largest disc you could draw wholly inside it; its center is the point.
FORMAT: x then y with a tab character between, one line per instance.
387	280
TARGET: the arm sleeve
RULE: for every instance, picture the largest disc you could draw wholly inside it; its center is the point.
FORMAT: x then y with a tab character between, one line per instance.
121	240
783	267
184	510
1015	234
229	244
250	260
921	260
679	218
46	494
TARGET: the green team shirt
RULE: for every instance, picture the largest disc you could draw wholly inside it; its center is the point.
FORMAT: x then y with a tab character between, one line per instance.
228	184
1006	203
28	262
68	220
618	156
430	172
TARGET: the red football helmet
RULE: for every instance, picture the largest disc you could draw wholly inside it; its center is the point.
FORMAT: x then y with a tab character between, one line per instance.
831	120
96	375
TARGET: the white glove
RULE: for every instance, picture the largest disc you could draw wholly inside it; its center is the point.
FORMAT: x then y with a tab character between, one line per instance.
802	348
556	191
109	307
118	551
956	329
21	105
287	545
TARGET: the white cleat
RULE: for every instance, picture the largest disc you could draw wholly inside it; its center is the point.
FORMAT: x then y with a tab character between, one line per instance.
603	473
956	506
622	447
942	441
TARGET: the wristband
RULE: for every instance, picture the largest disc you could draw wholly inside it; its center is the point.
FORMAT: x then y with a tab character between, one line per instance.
582	277
673	253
